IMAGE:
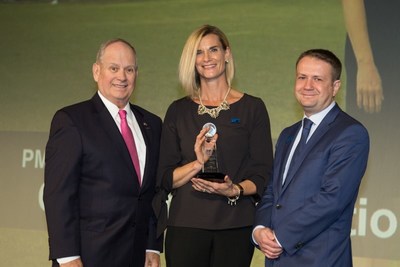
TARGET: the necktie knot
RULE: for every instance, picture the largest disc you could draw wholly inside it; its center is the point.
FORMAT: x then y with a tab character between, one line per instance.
122	114
307	123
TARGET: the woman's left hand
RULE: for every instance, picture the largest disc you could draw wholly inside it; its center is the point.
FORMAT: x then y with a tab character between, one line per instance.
224	189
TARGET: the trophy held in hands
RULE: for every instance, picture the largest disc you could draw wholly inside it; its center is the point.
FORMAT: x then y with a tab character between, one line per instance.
210	169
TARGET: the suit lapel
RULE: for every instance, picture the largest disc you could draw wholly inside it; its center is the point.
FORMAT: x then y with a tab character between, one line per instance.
285	151
323	127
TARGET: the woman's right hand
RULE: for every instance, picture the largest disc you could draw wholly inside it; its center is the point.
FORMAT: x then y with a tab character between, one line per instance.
203	146
183	174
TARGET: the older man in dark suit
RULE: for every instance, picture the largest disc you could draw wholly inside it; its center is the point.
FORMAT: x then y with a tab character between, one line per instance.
304	218
101	161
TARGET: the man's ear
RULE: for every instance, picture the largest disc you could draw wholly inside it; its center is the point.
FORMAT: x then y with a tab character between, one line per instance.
336	87
96	71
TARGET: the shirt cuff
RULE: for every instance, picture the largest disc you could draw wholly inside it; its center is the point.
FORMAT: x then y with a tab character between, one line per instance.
277	241
67	259
154	251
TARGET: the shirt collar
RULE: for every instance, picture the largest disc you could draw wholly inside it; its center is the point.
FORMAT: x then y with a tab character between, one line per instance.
318	117
112	108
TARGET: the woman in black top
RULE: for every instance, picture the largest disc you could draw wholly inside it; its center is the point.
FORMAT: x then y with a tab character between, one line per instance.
210	223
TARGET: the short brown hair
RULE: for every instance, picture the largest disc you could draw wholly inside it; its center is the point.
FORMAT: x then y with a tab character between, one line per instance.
327	56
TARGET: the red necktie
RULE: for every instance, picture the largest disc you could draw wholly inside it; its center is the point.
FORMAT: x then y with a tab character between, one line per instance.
130	142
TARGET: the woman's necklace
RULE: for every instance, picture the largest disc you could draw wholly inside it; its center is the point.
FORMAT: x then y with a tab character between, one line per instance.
213	112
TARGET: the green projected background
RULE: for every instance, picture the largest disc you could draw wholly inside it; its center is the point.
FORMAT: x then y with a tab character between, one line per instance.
47	50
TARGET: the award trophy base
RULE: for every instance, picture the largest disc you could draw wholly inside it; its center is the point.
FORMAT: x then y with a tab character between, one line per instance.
215	177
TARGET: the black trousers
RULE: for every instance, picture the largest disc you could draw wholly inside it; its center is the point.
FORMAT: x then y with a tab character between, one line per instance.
191	247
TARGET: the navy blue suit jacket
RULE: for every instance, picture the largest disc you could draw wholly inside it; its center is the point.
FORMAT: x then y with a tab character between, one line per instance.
94	205
312	213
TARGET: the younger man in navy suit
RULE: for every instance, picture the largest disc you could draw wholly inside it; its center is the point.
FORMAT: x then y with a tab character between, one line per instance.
304	218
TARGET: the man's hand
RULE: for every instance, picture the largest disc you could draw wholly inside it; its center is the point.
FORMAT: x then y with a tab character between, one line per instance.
267	243
74	263
152	260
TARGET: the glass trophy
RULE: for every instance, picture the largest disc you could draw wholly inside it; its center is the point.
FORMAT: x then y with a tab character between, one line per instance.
210	169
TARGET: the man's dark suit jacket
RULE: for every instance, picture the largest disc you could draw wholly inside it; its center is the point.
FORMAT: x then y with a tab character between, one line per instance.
311	213
94	205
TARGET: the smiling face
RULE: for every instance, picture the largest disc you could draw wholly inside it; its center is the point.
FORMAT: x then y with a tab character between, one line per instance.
116	73
315	87
210	58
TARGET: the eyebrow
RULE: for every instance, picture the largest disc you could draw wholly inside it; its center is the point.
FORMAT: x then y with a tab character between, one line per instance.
116	64
312	75
214	46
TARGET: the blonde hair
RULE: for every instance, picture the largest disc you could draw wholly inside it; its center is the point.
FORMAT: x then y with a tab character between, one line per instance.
188	75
